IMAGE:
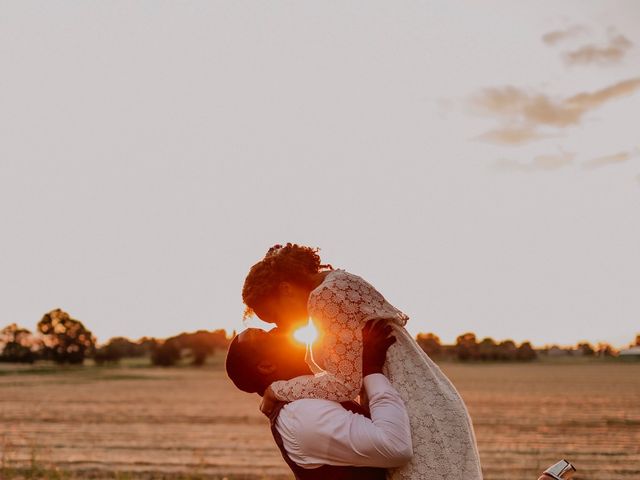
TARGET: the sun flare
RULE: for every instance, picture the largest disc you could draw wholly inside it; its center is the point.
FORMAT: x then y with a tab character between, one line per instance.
307	334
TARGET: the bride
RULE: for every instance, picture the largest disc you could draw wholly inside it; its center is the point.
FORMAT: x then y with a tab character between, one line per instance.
290	284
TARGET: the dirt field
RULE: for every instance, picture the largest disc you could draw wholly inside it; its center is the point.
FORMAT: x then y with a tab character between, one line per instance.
134	423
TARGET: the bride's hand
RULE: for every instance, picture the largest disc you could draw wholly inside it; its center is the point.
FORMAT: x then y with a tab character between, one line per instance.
268	402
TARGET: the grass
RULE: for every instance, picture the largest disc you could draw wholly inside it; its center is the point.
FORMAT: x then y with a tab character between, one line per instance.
38	470
190	423
40	473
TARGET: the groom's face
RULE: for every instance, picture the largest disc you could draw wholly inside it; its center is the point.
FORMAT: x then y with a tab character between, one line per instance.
283	356
256	359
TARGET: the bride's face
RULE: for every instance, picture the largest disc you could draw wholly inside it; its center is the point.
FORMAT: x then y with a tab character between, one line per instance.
287	308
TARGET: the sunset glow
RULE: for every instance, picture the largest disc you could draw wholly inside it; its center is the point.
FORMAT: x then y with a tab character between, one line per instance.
307	334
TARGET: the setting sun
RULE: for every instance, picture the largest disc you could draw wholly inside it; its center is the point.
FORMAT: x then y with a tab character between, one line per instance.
307	334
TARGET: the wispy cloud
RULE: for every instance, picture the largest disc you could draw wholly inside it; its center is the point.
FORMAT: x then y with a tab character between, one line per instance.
556	36
588	101
522	113
510	135
540	163
607	160
614	159
613	52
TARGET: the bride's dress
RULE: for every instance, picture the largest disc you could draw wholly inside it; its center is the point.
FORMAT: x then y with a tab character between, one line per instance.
444	443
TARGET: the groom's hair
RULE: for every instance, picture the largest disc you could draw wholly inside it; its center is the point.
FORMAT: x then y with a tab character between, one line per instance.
241	364
290	263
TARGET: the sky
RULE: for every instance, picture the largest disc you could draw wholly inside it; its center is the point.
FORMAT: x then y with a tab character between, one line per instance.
477	162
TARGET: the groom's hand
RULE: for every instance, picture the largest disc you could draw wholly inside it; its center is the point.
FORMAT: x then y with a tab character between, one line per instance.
268	402
376	340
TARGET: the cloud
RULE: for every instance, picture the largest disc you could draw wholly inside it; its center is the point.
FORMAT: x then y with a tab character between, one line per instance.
607	160
557	36
589	54
551	162
522	113
588	101
538	164
511	135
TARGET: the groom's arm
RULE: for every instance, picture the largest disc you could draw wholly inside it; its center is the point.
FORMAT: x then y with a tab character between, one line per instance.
319	432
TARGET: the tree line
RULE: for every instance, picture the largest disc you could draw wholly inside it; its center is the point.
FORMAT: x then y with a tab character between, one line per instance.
66	340
469	348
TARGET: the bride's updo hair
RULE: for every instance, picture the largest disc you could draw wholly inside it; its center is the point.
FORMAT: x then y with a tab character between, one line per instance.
289	263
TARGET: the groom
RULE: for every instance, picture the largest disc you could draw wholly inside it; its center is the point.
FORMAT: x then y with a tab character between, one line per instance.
321	439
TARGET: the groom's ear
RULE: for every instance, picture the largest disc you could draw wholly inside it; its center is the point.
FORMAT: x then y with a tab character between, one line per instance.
265	367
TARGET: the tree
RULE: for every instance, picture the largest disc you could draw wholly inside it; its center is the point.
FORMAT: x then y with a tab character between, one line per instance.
466	346
507	350
116	349
487	349
199	345
145	346
66	340
18	344
196	346
605	350
430	343
526	352
166	354
586	349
